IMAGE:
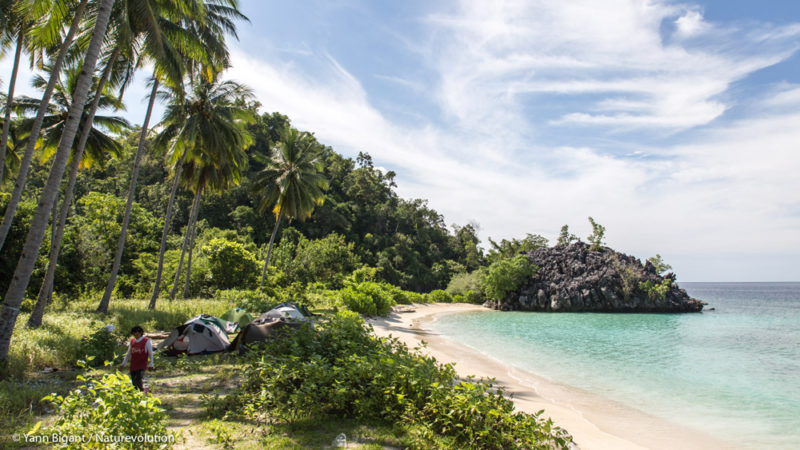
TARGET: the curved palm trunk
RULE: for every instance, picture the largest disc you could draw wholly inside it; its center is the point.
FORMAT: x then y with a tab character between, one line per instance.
269	248
33	242
191	244
25	162
9	101
35	320
167	220
186	240
112	279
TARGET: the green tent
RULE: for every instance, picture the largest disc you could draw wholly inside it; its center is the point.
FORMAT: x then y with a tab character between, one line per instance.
239	316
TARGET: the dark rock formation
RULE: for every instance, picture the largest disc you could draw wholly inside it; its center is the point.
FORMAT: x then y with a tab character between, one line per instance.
574	278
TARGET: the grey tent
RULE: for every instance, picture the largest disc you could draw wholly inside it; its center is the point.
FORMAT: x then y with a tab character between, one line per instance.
200	334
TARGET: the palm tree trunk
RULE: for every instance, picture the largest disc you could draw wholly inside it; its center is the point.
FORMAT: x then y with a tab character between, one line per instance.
167	220
33	242
9	102
112	279
193	223
25	163
35	320
186	239
269	248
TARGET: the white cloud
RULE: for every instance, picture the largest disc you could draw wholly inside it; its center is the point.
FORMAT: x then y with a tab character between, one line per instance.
497	52
727	193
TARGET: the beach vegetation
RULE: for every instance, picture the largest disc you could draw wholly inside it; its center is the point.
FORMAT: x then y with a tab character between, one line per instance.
340	370
659	264
598	234
506	276
510	248
565	237
656	291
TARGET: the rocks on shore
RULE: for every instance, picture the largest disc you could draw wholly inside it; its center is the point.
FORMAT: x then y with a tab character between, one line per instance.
576	278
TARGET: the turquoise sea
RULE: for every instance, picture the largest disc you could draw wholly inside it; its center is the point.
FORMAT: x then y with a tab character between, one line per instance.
733	373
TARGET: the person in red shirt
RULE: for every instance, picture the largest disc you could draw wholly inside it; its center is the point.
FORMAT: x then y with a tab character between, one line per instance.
140	355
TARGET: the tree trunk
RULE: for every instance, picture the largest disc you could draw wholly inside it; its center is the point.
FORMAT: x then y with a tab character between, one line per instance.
30	250
9	101
112	279
269	248
25	162
193	222
167	220
185	244
35	320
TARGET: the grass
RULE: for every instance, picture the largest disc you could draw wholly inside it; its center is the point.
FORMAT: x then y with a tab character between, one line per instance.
181	383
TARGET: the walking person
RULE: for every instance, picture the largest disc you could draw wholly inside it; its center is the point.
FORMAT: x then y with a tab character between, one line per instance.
140	356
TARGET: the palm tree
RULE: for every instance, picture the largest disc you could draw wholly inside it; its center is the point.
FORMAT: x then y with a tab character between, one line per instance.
14	29
47	28
198	34
291	183
207	125
92	140
33	241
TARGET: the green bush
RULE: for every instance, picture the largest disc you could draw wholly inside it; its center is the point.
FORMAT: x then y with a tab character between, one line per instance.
100	346
468	285
476	415
439	296
340	370
231	265
110	407
370	298
658	291
506	275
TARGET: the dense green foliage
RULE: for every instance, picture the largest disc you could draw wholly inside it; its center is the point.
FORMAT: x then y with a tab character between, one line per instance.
340	369
659	264
109	408
505	276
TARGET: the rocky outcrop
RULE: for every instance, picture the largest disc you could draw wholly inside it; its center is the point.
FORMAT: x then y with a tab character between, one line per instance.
575	278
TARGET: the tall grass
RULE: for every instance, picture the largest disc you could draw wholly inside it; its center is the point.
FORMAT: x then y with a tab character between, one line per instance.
57	343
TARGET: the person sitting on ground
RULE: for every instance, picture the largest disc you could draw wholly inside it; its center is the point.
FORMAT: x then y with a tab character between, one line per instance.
140	355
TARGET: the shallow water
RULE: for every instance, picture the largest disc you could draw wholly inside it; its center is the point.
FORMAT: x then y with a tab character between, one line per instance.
733	372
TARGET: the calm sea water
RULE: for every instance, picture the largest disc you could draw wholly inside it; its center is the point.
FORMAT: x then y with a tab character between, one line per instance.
733	372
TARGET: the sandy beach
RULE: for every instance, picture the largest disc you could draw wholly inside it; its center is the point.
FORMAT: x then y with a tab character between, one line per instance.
595	422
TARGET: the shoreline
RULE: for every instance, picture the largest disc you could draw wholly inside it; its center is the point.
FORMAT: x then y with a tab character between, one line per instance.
595	422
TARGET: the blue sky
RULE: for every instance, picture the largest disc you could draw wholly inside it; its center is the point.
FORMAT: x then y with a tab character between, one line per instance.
673	124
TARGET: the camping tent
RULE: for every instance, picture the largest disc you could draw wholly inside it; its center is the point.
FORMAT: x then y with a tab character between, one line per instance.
238	316
260	330
200	334
285	311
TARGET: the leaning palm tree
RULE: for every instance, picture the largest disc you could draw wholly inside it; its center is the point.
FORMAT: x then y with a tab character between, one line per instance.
208	124
14	29
49	16
92	146
33	241
291	183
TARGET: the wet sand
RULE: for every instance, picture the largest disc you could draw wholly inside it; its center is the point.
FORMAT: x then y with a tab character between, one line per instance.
595	422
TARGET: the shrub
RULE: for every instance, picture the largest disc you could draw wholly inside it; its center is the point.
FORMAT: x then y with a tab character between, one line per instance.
110	407
368	298
231	265
506	275
463	283
439	296
340	370
99	346
656	292
251	300
596	238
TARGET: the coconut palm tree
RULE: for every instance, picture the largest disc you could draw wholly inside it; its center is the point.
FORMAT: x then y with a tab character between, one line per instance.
199	36
207	125
33	241
291	183
46	30
92	146
14	29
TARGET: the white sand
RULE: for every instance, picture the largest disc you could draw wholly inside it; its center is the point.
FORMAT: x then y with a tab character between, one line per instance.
595	422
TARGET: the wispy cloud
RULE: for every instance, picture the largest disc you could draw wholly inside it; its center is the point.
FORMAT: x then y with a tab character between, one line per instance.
725	188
